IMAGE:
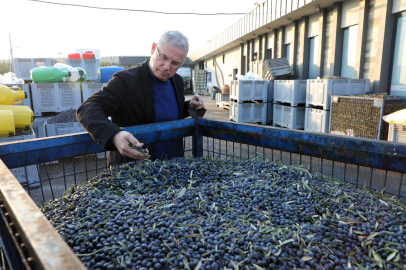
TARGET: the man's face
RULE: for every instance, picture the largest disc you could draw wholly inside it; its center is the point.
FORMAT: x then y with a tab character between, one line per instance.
165	60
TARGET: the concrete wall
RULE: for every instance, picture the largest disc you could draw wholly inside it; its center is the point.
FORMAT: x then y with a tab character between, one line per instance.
398	6
375	20
231	61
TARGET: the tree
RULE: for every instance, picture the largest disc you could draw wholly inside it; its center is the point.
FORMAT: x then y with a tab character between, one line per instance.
105	64
4	67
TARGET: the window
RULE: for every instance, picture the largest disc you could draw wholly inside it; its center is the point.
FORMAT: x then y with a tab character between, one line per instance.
254	56
224	59
313	57
398	82
349	49
288	53
269	52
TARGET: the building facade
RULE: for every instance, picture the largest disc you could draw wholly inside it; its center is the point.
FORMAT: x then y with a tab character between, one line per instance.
356	39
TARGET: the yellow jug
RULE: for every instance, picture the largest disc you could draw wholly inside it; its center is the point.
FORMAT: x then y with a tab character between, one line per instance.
23	115
6	123
9	96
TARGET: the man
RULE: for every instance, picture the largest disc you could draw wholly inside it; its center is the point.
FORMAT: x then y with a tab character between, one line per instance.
149	93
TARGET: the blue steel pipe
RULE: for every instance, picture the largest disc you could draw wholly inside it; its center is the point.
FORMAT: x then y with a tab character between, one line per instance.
41	150
358	151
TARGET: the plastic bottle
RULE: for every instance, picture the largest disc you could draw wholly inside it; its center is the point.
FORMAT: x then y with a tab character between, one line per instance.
74	71
9	96
49	75
23	115
7	123
82	74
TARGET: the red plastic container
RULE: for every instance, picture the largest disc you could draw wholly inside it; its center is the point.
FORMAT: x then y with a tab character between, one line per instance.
74	56
88	55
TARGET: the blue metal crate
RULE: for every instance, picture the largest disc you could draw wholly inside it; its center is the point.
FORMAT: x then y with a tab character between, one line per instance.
374	164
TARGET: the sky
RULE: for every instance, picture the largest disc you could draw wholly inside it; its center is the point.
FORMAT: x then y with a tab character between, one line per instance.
47	30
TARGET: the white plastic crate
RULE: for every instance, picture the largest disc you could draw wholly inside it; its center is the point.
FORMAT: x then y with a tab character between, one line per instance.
25	88
358	86
89	65
88	89
270	91
248	112
55	97
220	98
247	90
57	129
317	120
28	174
38	127
397	133
287	116
22	66
290	91
269	114
318	90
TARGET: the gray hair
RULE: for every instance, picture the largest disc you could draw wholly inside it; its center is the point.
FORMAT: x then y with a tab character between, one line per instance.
176	38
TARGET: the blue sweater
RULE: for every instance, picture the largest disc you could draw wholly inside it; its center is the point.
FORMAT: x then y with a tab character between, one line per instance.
166	106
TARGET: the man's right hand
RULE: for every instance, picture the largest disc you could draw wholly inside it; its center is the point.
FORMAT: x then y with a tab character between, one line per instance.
121	140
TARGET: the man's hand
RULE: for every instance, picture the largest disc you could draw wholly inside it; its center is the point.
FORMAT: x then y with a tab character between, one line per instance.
121	140
196	103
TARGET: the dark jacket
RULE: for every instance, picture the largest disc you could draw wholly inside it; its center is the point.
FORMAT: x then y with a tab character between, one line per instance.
129	99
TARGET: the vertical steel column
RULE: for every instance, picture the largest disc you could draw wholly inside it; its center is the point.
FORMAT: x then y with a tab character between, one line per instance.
197	141
361	39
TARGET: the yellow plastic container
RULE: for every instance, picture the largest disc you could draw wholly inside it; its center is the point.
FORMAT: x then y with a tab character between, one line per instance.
9	96
23	115
6	123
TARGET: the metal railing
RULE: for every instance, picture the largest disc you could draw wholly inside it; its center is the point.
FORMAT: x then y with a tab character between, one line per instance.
74	159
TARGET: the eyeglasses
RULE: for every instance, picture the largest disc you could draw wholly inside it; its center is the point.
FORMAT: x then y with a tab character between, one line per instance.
165	59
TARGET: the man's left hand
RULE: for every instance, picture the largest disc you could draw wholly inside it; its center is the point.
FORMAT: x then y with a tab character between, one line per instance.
196	102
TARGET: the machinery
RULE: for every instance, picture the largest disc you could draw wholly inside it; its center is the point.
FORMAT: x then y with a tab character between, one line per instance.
13	117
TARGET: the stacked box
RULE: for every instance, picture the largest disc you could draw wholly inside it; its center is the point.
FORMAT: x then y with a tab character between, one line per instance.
317	120
362	116
220	98
199	81
57	129
289	117
397	133
319	91
38	127
277	69
89	65
292	92
248	112
269	114
88	89
55	97
249	90
22	66
28	176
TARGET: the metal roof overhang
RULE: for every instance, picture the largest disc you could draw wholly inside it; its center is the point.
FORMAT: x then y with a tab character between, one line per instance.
205	53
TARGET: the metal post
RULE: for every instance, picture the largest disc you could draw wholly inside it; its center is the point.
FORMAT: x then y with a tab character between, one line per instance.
11	51
198	141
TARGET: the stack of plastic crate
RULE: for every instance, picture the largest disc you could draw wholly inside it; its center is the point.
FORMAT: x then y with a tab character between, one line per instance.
248	101
22	66
289	99
89	65
55	97
318	99
199	81
88	89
